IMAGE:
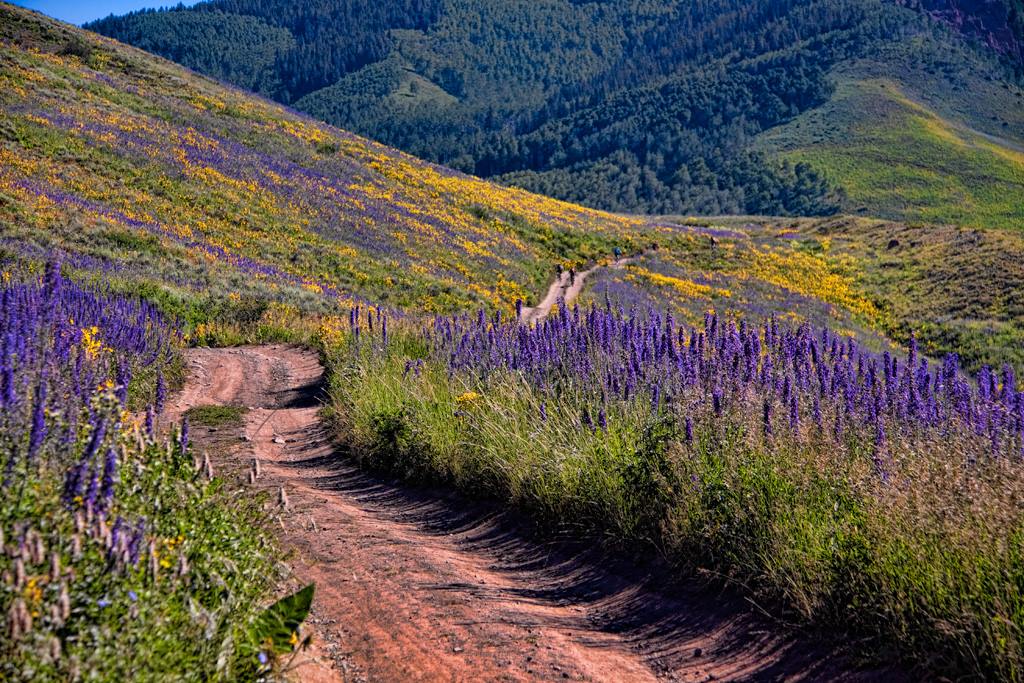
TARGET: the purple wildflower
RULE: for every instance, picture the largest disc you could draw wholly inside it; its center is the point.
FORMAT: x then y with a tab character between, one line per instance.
38	432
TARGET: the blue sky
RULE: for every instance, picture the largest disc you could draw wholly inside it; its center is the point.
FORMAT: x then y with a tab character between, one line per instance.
81	11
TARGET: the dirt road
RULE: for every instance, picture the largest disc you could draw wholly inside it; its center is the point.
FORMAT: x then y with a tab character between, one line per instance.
419	585
563	289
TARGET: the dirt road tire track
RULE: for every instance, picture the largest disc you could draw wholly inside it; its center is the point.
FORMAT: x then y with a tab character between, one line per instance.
419	585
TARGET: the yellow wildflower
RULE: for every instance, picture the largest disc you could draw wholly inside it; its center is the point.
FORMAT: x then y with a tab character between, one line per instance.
33	591
91	343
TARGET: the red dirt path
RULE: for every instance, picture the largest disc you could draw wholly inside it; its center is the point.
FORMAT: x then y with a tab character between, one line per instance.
566	291
419	585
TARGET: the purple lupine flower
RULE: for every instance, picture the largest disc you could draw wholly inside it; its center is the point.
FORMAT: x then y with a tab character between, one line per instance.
75	480
602	419
767	417
38	432
586	419
115	536
985	383
8	395
109	478
92	491
794	413
123	378
1009	389
135	543
688	430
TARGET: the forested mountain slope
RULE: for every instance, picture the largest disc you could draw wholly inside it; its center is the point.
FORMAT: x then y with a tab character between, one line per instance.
225	206
732	405
646	105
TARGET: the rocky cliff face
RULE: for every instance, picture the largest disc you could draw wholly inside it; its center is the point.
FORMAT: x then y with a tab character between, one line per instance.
997	23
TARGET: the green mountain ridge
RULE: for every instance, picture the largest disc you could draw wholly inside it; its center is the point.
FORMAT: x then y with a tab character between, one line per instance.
641	106
680	408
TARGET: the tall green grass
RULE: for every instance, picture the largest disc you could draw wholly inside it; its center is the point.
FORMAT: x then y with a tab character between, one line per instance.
929	566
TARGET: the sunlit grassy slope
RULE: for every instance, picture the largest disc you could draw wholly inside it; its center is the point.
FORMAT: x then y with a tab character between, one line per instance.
143	171
954	288
236	215
898	157
216	203
119	156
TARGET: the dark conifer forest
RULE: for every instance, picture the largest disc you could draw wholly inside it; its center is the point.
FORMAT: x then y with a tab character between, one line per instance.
643	105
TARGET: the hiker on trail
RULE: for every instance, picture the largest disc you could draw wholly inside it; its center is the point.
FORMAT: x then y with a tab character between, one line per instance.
558	270
617	252
572	276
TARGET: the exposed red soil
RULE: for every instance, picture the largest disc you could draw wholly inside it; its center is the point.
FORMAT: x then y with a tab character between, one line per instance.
421	585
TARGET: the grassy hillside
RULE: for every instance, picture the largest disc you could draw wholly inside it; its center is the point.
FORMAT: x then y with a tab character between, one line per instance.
952	288
226	207
152	175
149	169
696	411
899	158
650	107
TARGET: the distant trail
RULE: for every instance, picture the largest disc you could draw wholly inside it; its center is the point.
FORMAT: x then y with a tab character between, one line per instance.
422	585
562	289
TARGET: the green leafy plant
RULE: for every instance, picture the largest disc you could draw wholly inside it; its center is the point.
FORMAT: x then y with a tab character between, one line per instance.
276	628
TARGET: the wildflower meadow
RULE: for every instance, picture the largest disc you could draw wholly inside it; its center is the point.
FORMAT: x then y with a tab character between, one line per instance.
874	493
121	557
823	415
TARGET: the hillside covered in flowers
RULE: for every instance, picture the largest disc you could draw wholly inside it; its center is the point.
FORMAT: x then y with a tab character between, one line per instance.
821	414
143	164
221	205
